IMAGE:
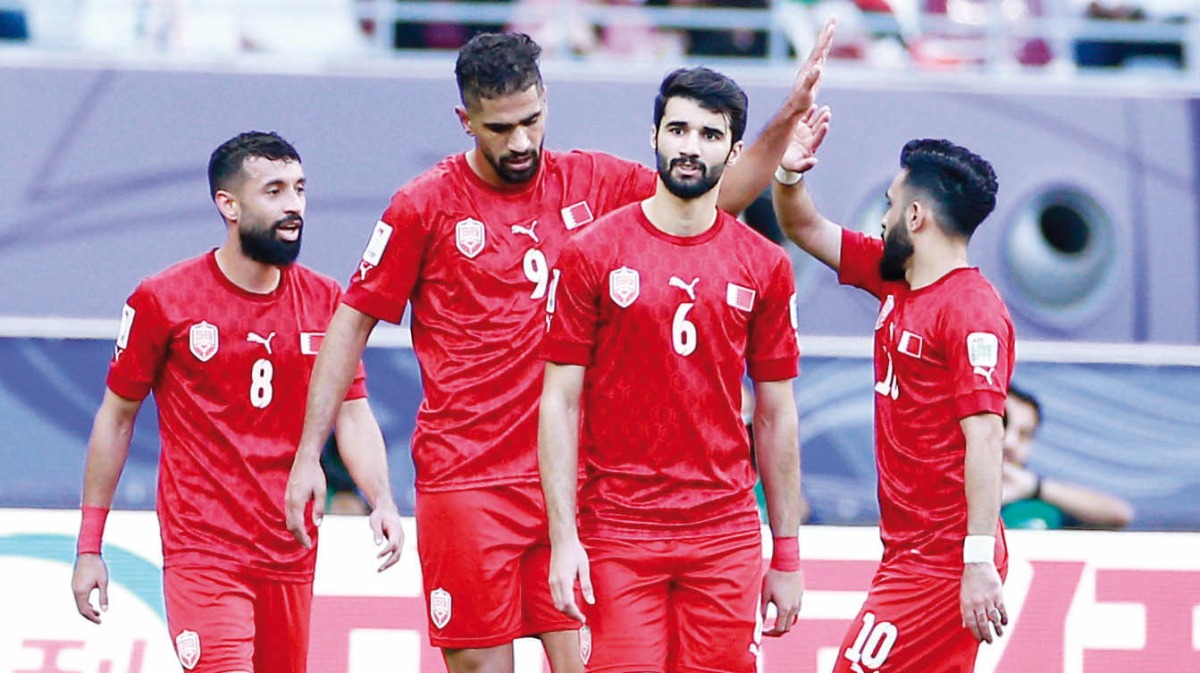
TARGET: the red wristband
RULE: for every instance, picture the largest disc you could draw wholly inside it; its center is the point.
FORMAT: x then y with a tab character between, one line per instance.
91	529
785	556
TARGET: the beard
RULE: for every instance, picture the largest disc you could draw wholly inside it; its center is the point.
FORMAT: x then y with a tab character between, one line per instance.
264	245
691	187
897	250
502	166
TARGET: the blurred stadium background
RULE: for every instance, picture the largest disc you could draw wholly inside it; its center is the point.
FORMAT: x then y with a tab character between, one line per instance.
1089	111
111	108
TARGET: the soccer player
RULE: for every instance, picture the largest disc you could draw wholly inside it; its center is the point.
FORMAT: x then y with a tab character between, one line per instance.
661	308
943	361
226	342
473	244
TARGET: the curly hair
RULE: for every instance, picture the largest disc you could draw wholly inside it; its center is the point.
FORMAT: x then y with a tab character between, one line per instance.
227	160
961	184
492	65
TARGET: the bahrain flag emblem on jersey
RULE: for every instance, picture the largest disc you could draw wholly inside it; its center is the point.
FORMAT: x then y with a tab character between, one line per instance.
187	645
741	298
203	340
469	237
577	215
439	607
624	286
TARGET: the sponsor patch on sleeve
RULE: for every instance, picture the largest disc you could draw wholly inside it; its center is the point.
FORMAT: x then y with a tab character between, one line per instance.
378	243
983	349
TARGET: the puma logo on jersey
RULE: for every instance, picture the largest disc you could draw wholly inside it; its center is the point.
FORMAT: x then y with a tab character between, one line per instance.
265	341
689	288
528	231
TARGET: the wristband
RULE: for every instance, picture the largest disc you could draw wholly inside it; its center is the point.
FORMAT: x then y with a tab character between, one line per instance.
785	554
785	177
91	529
979	549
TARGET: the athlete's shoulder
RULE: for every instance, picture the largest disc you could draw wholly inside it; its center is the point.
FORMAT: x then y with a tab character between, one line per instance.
185	273
972	287
311	277
749	242
440	181
594	161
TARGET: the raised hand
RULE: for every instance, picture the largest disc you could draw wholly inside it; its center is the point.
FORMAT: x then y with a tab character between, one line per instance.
807	136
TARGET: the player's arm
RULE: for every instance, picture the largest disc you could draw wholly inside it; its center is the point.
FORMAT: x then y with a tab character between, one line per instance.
982	597
333	372
747	178
108	448
360	442
776	448
794	207
558	463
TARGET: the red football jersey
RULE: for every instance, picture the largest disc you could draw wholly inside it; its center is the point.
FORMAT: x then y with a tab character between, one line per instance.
666	326
476	263
942	353
229	370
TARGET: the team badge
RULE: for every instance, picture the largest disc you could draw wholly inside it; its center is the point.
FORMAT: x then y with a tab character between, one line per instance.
310	342
624	286
375	247
577	215
203	340
127	314
741	298
439	607
885	310
983	353
911	344
187	646
469	237
585	643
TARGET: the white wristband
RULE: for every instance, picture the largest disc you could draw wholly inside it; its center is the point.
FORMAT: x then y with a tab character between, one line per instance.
979	549
785	177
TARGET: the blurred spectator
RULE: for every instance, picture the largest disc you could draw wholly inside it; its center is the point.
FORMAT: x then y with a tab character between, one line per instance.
341	495
12	24
723	42
413	35
1034	500
1106	54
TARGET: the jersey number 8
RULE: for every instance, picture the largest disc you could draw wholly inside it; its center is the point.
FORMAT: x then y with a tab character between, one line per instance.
261	391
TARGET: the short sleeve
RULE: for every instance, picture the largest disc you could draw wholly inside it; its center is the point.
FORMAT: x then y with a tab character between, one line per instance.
859	265
391	262
632	181
979	342
143	342
772	351
572	311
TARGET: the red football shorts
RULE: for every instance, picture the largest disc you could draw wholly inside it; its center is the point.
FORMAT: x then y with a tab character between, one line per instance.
909	624
675	606
485	563
223	621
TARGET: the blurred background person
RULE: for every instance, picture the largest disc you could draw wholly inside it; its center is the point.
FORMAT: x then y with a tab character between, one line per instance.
1033	500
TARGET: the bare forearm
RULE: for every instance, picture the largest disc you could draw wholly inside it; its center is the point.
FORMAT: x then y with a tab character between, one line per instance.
108	449
805	226
777	449
333	372
362	448
982	472
558	459
1090	507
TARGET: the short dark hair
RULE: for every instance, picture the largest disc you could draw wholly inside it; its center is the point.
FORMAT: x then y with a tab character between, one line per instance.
712	90
227	160
961	183
1028	398
492	65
